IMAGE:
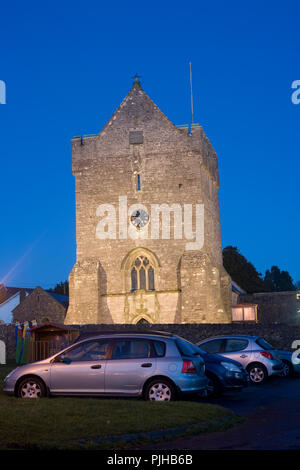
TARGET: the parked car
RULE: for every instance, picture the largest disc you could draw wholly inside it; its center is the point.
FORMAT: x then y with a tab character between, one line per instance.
290	366
157	366
223	374
253	352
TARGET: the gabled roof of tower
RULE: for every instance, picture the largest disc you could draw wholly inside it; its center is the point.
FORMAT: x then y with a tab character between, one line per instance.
138	120
137	89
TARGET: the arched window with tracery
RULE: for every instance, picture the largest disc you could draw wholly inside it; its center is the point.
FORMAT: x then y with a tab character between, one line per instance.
142	274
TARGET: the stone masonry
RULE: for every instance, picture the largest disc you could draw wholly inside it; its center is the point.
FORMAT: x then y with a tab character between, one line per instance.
275	307
280	335
39	306
140	159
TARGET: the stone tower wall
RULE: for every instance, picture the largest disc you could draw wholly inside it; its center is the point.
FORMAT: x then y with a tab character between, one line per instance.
175	167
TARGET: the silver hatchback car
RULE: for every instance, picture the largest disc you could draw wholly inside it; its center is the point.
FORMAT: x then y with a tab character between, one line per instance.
157	366
253	352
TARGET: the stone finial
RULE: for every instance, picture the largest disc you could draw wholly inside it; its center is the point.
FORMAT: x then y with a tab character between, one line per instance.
137	82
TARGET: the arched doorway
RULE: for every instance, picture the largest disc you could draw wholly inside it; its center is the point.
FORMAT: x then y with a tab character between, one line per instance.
143	321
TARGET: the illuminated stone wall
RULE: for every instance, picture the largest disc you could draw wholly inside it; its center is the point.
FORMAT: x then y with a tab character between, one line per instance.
175	166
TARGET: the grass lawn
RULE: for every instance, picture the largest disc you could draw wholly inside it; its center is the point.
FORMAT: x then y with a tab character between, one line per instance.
61	422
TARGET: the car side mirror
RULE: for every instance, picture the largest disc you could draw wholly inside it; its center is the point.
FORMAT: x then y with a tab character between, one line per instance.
63	359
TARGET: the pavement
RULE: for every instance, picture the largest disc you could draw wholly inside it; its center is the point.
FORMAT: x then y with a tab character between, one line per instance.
272	420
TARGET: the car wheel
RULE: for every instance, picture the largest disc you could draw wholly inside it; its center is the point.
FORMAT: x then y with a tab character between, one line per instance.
258	373
31	387
287	369
216	389
160	390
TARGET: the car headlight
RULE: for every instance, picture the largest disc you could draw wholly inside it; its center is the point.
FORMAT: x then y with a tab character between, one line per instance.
10	374
231	367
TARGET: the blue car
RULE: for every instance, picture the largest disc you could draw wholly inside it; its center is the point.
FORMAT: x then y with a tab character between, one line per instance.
291	363
223	374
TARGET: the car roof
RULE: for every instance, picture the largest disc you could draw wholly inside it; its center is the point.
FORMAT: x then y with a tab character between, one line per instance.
122	334
227	337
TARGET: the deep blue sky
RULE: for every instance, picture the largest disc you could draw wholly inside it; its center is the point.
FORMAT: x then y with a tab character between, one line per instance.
67	67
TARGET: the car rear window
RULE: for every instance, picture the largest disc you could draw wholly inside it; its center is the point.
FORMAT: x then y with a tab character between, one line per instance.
263	343
213	346
159	348
236	344
186	348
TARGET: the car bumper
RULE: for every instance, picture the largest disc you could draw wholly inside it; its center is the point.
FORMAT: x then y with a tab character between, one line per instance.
296	368
277	369
191	385
235	381
9	386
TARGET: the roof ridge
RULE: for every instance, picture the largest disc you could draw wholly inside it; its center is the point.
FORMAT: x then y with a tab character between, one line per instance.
136	87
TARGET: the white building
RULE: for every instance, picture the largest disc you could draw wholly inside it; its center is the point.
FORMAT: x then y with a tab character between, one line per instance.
10	297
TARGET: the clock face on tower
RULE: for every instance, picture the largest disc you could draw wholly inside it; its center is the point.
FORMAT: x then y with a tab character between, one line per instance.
139	218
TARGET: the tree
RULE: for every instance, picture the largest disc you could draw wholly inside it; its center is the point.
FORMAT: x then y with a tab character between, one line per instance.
61	288
242	271
246	276
279	281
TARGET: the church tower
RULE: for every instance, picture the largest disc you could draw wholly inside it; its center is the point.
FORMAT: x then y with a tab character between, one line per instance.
147	222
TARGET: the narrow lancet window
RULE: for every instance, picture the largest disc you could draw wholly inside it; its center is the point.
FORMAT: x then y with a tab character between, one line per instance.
134	283
150	278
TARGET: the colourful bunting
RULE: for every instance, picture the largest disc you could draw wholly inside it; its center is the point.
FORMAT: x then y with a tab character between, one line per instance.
22	340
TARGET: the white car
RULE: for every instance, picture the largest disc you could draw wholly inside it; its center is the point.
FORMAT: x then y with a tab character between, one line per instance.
258	357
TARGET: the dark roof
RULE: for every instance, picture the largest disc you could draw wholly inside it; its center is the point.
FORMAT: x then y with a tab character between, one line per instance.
62	299
8	292
57	326
91	334
236	288
237	291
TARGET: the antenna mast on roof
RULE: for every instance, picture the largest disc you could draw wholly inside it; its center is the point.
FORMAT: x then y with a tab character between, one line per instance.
191	83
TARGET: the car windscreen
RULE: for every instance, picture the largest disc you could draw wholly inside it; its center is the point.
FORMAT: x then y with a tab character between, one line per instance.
263	343
188	349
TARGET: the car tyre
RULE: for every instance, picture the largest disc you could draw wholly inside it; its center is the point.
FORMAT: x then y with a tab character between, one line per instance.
258	373
160	390
287	369
31	387
216	386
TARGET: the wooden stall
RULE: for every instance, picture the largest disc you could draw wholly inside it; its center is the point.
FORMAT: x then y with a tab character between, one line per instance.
48	339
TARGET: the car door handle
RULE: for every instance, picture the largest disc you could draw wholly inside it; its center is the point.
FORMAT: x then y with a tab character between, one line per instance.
244	355
96	366
147	364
